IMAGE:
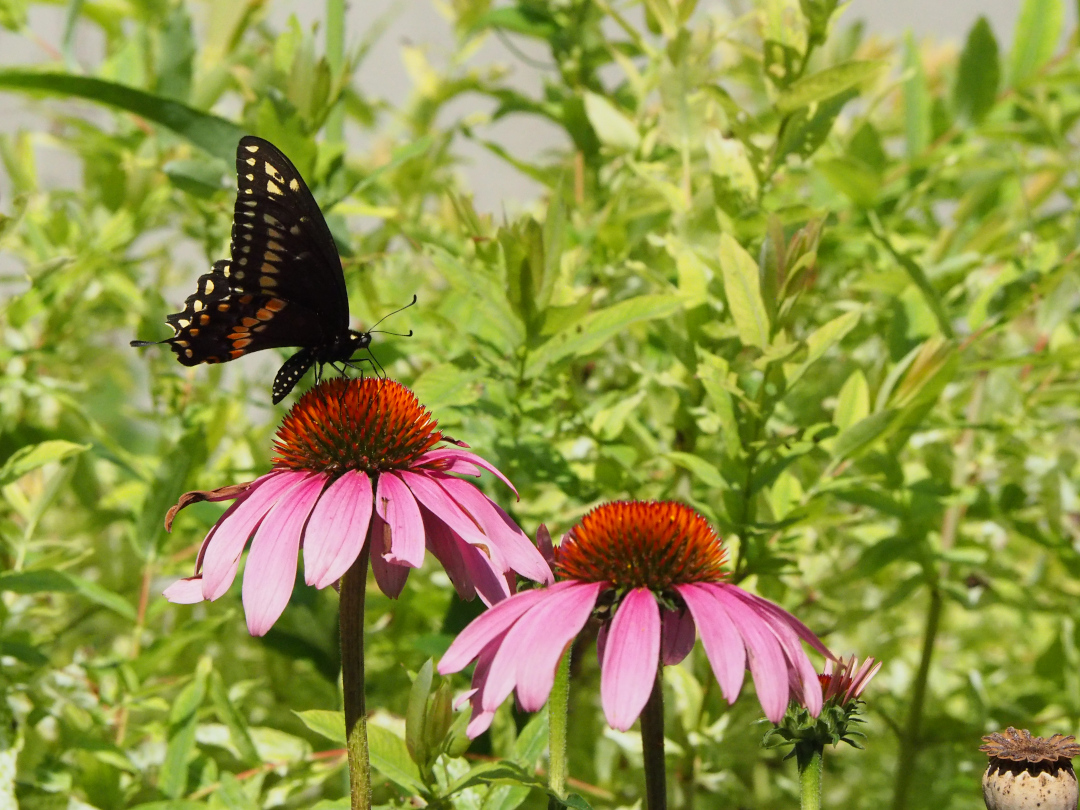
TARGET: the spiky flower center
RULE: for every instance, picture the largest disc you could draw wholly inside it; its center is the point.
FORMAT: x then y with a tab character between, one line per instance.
634	544
369	425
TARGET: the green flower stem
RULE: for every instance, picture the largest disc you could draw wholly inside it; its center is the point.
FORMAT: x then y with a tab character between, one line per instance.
652	746
809	759
558	708
353	585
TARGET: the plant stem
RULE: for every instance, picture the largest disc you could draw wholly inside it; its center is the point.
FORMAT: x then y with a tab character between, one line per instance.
909	739
353	585
652	746
558	708
809	759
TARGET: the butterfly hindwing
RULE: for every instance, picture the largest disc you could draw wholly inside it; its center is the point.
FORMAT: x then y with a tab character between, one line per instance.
221	322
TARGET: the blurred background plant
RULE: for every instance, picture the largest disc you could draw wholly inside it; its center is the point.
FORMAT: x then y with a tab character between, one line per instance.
821	287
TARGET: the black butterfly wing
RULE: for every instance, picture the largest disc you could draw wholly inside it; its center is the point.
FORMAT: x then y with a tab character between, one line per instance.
284	285
281	244
221	322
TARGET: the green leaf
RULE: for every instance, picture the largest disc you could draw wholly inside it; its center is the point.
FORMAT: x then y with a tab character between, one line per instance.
50	581
227	714
597	328
862	434
1038	31
742	285
390	757
29	458
209	132
827	83
329	724
916	97
705	472
821	340
415	712
612	127
978	74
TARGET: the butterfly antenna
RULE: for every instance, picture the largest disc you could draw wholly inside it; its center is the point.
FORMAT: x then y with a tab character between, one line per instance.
387	315
138	344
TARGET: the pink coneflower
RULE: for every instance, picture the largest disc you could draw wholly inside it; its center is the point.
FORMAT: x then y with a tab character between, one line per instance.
844	680
358	457
655	570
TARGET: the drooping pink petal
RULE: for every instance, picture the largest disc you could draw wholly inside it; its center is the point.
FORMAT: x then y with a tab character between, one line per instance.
225	516
337	530
767	663
803	675
544	545
489	585
390	577
271	565
185	591
678	636
723	644
601	642
532	648
455	457
222	557
490	624
445	546
519	552
481	718
800	629
397	506
429	494
631	659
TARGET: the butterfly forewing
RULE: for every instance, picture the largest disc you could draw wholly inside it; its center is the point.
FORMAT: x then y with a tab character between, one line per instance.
280	242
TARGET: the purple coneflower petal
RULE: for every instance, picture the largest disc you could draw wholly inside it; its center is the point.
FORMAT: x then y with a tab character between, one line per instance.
271	564
531	650
481	718
390	577
447	550
520	554
631	659
456	458
338	528
723	645
429	494
804	677
490	624
678	636
185	591
800	629
395	504
222	557
767	662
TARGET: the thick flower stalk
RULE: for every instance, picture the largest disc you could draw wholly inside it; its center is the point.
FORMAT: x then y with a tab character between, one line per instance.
358	459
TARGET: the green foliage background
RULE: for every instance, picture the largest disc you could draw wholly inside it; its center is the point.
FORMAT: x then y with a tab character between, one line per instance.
821	287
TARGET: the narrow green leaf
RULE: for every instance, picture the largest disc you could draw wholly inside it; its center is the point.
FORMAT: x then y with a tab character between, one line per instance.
853	402
597	328
827	83
705	472
414	714
742	285
917	101
820	341
174	771
329	724
50	581
978	74
862	434
1038	31
227	714
215	135
391	758
29	458
612	127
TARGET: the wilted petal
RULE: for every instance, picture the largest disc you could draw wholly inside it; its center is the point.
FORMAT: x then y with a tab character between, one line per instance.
531	650
631	659
222	557
397	506
185	591
271	564
723	644
390	577
338	528
678	636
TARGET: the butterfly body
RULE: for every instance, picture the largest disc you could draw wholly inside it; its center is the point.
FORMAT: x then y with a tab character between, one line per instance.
284	285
